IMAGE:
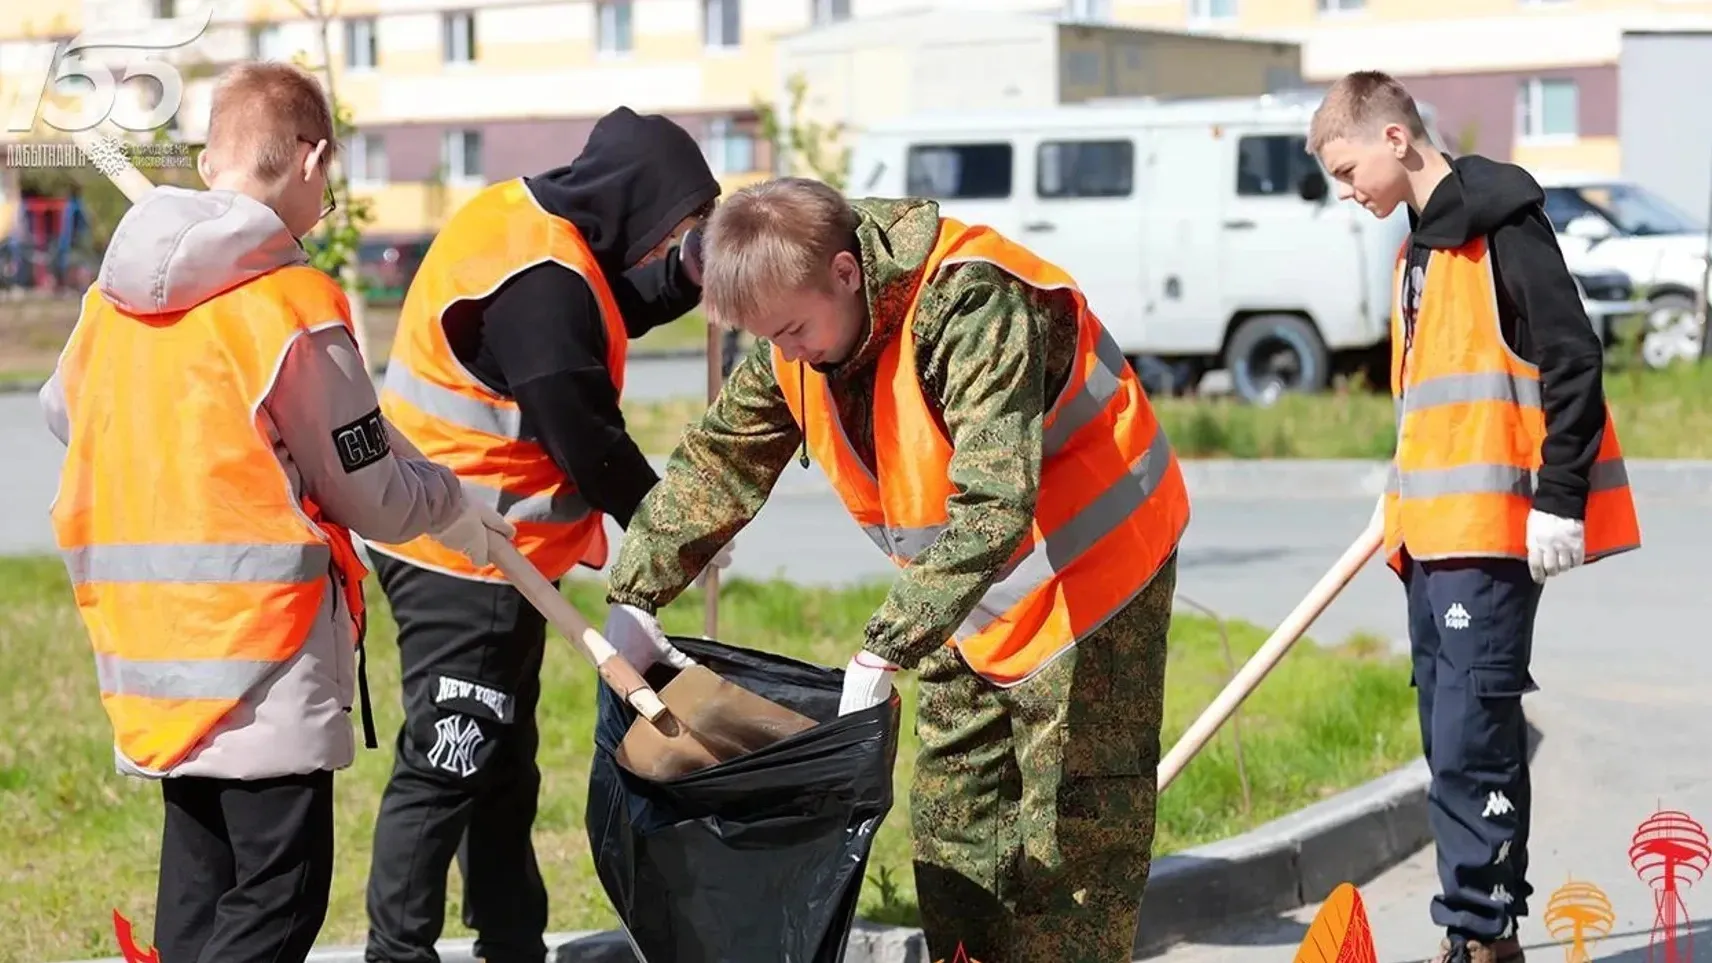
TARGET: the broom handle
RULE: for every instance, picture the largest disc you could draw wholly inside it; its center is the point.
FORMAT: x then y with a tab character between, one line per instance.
710	580
617	673
1282	638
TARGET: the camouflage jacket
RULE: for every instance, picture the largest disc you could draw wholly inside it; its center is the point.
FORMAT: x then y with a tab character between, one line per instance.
993	353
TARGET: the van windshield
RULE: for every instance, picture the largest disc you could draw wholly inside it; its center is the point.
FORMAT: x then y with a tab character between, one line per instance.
1630	208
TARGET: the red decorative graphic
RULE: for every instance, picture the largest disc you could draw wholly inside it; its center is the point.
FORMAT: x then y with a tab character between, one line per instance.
128	946
1669	852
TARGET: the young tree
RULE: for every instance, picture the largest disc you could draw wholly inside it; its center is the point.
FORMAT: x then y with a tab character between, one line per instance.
802	144
334	248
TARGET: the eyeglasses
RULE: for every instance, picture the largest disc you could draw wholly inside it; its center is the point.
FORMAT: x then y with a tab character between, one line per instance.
330	203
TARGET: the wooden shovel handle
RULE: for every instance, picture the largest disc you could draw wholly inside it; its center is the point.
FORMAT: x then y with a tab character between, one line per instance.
710	578
619	674
1267	656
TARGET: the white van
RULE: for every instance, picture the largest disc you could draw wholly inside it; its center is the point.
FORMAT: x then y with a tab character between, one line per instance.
1202	232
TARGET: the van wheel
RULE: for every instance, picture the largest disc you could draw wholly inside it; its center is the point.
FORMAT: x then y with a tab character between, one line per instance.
1270	354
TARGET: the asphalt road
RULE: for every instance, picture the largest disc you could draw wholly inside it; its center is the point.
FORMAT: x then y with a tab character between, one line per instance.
1622	657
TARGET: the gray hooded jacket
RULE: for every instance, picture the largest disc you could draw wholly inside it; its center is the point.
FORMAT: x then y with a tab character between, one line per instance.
174	250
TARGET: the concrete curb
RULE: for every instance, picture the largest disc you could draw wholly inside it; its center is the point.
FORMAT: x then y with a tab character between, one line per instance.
1290	862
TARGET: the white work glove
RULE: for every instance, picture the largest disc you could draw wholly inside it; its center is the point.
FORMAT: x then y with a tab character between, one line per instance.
867	683
1555	545
467	534
639	638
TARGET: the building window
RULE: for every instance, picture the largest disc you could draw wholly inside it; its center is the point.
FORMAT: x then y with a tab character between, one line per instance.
728	149
461	155
958	171
1088	168
1213	9
1547	109
365	160
722	22
267	42
1087	11
458	37
361	48
1341	6
612	28
1272	165
823	12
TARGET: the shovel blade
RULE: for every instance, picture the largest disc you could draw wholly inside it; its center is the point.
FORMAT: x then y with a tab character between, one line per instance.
712	721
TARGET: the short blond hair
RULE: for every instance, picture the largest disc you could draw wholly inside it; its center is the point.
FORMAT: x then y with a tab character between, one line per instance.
770	239
261	112
1362	103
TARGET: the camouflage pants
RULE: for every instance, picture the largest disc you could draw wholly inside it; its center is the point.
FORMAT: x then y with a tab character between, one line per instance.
1033	807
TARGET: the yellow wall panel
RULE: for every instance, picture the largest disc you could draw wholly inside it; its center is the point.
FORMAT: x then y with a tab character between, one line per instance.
735	79
1602	155
414	208
33	19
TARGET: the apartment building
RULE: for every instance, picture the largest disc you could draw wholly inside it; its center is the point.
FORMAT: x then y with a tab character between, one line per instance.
449	95
1534	81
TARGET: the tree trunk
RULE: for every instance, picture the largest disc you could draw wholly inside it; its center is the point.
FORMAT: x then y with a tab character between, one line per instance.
348	273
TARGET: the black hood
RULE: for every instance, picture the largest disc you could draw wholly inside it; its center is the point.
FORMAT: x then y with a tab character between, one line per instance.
636	178
1479	195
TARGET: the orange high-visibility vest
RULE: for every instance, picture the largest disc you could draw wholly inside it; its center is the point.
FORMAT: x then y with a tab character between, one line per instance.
1470	426
1112	505
196	571
459	422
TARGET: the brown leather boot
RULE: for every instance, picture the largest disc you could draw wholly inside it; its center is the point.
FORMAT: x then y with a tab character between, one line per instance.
1506	950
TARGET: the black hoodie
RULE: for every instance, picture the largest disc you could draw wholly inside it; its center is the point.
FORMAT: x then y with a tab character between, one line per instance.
541	339
1539	309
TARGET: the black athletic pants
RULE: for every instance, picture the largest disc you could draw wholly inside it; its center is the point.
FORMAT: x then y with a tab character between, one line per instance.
464	779
1471	630
245	868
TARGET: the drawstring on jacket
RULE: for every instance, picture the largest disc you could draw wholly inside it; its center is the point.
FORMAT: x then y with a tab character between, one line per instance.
802	406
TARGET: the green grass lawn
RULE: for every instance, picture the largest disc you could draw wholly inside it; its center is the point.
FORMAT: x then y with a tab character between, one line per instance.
84	841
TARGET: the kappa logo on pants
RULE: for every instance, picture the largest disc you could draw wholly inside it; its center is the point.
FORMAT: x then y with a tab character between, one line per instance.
1456	617
1497	804
455	742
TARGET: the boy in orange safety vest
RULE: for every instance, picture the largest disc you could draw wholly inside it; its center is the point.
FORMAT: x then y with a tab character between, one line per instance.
1507	472
982	427
223	440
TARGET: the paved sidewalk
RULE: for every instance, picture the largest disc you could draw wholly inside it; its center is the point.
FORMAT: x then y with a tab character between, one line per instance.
1624	662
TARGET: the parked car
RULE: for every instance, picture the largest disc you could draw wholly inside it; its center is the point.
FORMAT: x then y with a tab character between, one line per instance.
1606	222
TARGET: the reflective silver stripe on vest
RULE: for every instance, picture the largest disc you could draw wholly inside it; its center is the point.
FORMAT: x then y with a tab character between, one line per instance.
203	563
179	678
1480	479
562	509
1074	538
1075	412
1605	475
447	405
208	564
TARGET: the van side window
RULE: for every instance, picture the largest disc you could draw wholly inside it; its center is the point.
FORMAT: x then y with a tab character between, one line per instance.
1085	168
1271	165
959	171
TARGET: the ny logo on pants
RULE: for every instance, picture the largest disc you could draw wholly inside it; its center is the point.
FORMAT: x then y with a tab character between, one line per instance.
455	741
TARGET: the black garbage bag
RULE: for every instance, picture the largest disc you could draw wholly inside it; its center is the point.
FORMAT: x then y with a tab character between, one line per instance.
757	859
